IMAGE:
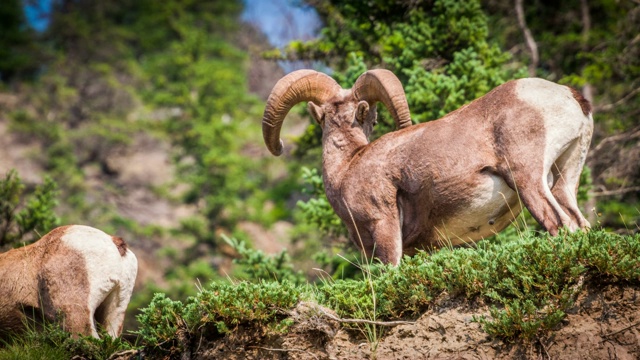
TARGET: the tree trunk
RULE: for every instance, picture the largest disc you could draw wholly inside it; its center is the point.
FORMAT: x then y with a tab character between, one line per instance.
587	92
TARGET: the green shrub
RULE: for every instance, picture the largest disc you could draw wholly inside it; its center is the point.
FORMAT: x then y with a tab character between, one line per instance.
529	281
317	211
226	305
51	342
258	266
160	320
222	305
26	217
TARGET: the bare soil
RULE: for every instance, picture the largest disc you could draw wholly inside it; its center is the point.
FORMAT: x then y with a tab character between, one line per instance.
603	324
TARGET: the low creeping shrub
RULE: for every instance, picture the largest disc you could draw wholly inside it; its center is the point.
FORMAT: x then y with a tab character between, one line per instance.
529	281
222	305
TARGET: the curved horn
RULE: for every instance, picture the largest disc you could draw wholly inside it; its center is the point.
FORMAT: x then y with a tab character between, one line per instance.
298	86
382	85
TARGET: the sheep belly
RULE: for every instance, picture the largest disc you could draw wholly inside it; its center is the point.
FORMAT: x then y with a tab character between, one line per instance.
493	205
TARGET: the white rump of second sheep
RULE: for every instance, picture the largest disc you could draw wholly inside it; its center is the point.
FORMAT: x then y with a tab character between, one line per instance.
77	274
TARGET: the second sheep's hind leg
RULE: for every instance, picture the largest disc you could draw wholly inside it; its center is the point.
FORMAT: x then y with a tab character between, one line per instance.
72	306
109	315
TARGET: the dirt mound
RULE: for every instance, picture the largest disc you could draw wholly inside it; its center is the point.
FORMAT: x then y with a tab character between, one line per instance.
603	324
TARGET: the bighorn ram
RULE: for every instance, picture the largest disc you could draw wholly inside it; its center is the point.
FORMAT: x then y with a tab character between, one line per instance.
453	180
76	273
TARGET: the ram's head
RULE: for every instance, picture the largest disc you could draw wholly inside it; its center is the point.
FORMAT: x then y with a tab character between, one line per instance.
331	105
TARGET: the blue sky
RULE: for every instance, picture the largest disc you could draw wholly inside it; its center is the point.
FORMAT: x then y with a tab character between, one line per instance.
281	20
35	14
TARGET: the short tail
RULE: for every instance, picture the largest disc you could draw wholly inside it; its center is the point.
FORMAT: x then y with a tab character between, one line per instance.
584	103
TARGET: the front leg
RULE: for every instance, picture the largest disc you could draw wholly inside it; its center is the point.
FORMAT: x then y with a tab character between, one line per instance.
381	238
388	241
373	219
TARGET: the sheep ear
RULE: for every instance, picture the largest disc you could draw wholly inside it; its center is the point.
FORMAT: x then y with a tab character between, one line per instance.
362	111
316	112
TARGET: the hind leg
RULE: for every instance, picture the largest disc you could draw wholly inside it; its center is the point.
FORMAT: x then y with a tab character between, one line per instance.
63	291
111	305
75	314
530	183
110	314
566	173
545	208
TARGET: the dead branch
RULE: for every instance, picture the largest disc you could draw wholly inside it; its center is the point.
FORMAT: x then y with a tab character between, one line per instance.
363	321
626	136
609	107
621	330
125	353
283	350
531	43
615	192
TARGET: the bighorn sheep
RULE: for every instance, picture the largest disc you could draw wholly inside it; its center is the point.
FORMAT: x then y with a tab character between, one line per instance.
452	180
74	273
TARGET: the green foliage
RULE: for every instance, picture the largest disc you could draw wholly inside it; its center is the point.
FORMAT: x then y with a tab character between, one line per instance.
26	217
18	51
76	130
317	211
438	49
529	281
160	320
115	67
618	214
222	305
470	74
228	305
199	72
585	185
51	342
38	214
341	265
259	266
182	281
31	349
273	289
91	348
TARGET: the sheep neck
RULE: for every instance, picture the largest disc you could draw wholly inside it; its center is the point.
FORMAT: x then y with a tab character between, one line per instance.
339	146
